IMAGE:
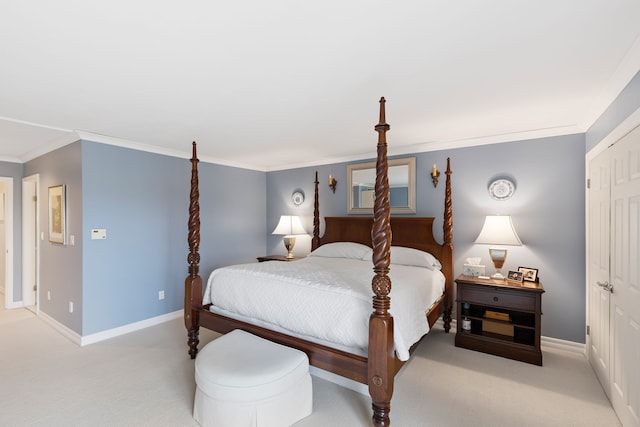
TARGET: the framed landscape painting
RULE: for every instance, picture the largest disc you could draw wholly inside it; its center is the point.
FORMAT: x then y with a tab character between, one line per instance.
57	214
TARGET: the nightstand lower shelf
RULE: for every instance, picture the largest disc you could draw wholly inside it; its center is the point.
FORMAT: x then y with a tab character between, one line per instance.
488	342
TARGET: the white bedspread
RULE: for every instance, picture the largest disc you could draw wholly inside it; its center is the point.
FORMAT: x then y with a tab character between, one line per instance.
326	298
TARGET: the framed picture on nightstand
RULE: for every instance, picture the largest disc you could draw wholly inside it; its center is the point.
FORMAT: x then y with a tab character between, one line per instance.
515	276
529	274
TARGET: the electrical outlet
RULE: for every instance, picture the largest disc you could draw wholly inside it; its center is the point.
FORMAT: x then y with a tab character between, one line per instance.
160	295
48	295
70	306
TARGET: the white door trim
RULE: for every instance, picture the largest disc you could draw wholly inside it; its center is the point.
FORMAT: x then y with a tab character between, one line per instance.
30	239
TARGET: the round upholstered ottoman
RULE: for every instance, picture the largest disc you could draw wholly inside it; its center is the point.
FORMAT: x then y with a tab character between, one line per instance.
245	381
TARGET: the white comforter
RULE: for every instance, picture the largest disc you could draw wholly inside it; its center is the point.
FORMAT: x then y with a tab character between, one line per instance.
325	299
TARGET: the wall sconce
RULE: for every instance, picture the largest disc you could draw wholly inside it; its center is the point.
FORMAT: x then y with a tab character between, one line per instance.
435	173
332	183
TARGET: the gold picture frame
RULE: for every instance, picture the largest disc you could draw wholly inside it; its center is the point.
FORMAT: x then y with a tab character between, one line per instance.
361	179
57	214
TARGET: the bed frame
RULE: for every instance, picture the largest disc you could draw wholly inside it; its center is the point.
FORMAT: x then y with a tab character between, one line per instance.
379	368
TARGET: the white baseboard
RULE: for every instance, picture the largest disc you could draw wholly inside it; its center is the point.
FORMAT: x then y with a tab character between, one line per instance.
572	346
110	333
74	337
131	327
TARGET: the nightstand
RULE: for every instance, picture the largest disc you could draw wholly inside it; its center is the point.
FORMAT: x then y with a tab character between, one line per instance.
500	317
277	258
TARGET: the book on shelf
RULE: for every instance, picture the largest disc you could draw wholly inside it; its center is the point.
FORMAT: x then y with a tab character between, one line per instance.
497	315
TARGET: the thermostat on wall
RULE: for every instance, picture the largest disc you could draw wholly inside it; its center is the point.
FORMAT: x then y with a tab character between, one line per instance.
98	233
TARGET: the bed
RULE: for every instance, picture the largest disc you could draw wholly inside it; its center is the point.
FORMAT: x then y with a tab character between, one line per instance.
373	360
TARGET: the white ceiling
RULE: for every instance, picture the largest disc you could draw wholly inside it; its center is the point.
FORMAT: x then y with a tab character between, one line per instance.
276	84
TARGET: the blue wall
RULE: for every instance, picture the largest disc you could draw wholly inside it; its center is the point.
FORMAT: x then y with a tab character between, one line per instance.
547	210
142	200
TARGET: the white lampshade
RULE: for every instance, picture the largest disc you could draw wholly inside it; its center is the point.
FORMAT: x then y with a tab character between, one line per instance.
289	225
498	230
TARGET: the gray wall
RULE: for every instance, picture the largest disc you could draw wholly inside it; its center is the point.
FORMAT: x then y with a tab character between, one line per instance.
14	170
61	265
547	210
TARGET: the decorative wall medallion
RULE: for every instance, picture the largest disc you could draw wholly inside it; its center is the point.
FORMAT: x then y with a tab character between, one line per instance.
501	189
297	198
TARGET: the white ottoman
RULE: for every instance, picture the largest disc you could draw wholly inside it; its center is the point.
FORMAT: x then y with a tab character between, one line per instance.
245	381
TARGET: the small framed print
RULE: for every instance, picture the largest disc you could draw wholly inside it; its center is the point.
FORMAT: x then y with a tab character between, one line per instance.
515	276
529	274
57	214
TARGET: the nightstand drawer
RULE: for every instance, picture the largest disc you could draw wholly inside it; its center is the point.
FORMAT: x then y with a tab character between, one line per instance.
497	297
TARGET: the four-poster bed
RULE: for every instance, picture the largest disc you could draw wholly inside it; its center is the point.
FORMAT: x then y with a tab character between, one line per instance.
378	366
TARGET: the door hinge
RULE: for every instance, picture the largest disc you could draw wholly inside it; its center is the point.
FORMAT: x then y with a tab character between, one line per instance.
588	329
588	182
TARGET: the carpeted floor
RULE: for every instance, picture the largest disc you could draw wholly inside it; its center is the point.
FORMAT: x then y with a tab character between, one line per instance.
146	379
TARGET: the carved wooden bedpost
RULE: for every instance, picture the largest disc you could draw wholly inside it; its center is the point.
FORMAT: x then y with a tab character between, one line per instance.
447	250
315	241
381	357
193	282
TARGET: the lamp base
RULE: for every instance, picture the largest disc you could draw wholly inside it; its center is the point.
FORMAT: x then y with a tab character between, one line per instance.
498	255
497	276
289	243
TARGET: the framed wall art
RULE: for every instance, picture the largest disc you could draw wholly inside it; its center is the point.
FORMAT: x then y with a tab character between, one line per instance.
57	214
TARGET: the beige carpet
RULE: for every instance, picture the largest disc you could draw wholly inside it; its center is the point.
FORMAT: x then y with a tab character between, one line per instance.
146	379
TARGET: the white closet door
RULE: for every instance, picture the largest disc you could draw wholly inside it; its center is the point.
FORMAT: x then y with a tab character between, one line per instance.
625	278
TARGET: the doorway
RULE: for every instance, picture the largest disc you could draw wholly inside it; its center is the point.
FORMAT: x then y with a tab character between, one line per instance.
6	240
30	246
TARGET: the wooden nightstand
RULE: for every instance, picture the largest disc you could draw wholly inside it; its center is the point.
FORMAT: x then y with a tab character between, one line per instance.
500	317
277	258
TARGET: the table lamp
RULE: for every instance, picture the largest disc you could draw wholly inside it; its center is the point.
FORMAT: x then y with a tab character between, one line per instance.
289	226
498	230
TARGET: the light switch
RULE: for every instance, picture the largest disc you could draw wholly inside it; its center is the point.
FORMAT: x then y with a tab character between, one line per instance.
98	233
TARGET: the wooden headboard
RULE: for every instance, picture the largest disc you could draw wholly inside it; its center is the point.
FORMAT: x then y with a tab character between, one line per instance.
410	232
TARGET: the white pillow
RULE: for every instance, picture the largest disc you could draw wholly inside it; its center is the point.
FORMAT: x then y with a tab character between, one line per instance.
414	257
343	250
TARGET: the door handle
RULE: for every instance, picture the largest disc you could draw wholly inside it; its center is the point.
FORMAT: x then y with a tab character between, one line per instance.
606	286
